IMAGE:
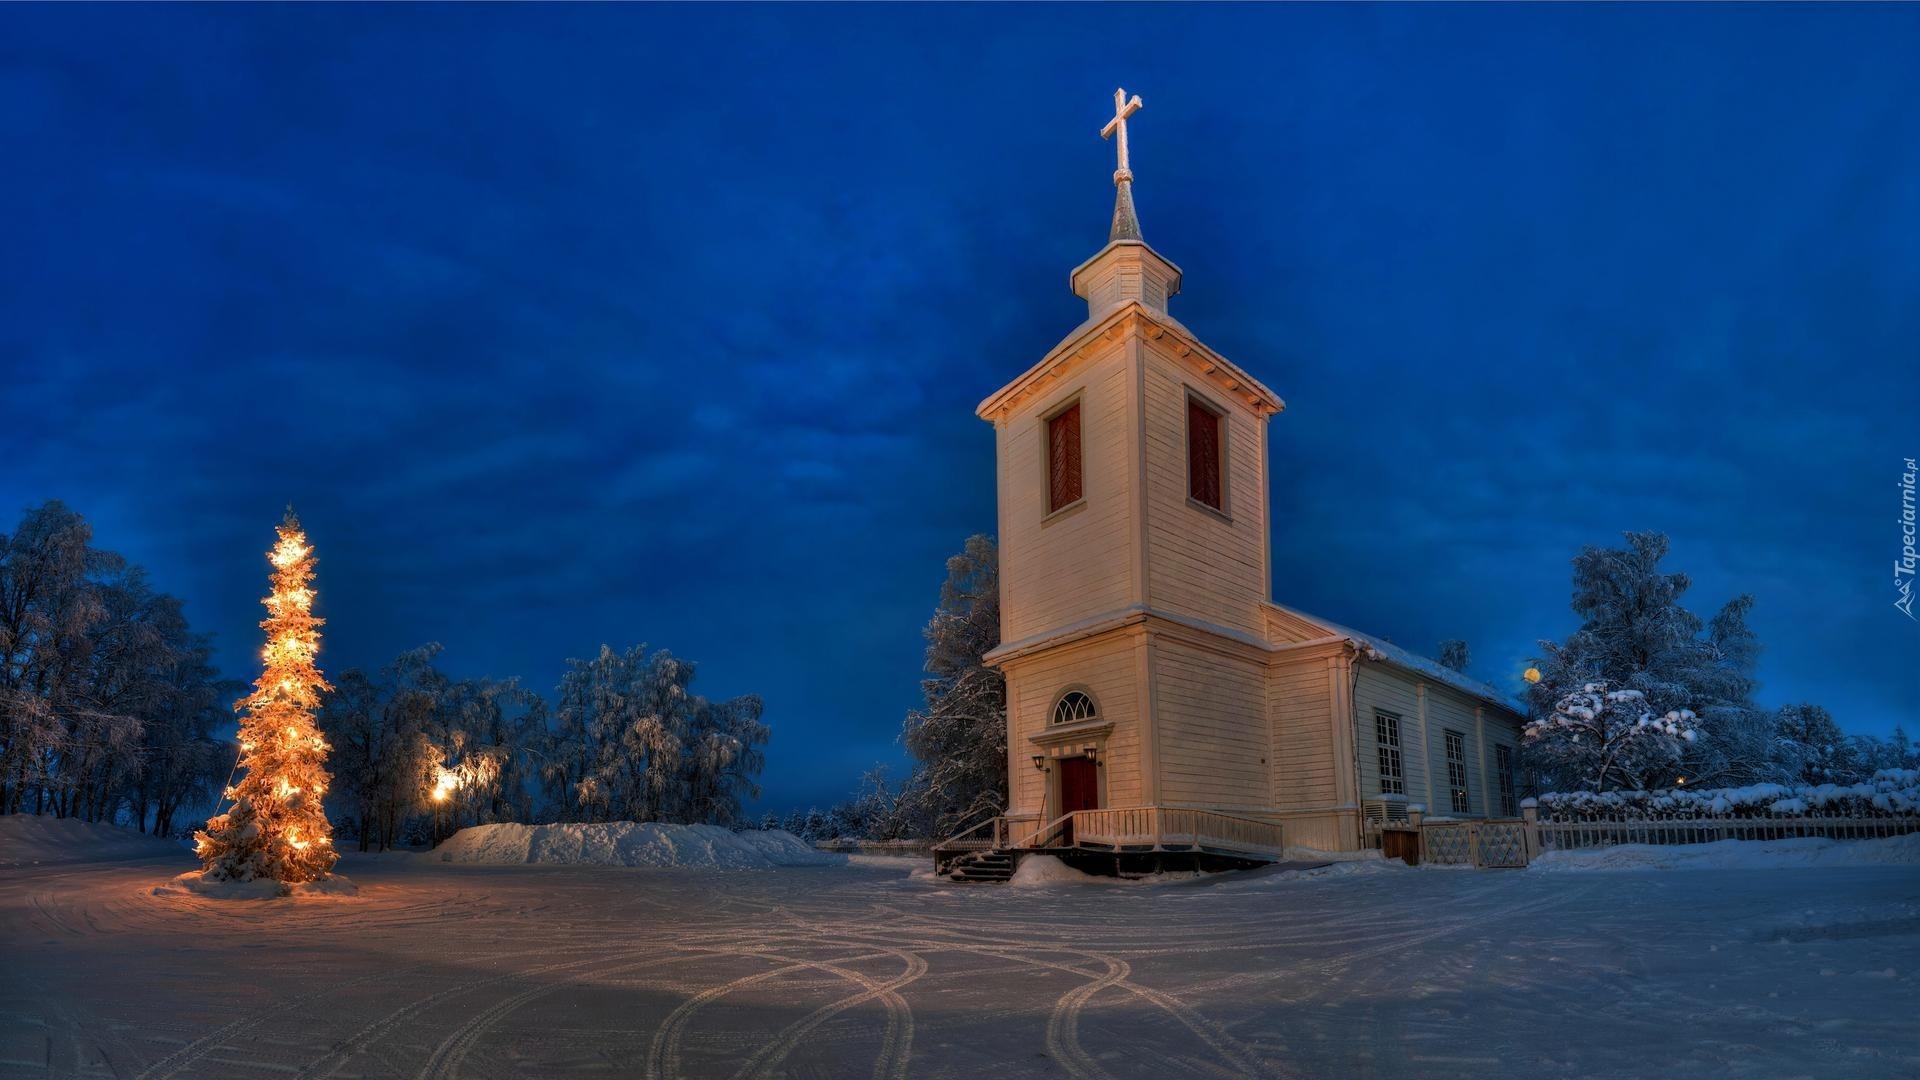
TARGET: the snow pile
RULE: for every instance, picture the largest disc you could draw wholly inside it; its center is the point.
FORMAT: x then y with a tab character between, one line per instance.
196	883
1800	853
1889	791
1307	864
1041	870
631	843
29	839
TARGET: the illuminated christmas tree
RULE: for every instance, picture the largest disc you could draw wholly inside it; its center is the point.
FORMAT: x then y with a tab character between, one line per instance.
277	829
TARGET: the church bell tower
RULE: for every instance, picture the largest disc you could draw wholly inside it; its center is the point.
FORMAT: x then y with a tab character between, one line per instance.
1132	478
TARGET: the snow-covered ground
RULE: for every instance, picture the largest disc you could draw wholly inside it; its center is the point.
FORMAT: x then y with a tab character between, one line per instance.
864	968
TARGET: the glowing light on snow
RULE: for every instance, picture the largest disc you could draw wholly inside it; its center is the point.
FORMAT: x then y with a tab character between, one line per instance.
445	782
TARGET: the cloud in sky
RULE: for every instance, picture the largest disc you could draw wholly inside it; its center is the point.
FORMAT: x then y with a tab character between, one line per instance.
572	325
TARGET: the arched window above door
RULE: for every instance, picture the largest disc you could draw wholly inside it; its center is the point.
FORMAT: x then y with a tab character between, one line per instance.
1074	707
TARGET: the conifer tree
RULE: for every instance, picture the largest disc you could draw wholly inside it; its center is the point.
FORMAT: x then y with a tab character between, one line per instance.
277	828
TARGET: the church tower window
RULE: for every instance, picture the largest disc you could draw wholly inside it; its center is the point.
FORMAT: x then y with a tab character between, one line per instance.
1073	707
1204	464
1063	458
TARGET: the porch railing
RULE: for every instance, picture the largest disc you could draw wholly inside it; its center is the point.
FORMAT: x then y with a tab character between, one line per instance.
989	834
1159	828
1133	828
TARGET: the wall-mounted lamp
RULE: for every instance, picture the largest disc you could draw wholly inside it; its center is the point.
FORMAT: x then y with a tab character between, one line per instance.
1091	751
1040	762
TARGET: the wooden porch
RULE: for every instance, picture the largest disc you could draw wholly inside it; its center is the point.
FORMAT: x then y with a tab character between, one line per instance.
1116	841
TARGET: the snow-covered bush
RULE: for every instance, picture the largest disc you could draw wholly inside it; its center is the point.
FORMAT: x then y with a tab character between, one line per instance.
1889	791
1608	738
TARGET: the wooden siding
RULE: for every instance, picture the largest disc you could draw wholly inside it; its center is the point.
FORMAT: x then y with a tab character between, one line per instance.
1078	563
1379	687
1201	564
1106	667
1427	711
1448	711
1210	708
1300	705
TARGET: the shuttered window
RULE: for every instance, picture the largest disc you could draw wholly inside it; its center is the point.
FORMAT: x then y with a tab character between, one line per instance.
1509	800
1063	458
1457	772
1203	455
1386	733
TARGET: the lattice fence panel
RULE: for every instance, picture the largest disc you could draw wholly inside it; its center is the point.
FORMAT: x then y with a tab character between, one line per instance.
1447	845
1501	844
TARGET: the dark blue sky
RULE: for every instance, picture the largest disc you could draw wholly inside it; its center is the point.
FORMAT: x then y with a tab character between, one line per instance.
565	325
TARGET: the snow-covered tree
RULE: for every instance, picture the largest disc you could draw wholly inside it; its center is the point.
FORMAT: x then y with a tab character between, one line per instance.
277	827
1636	635
1601	739
1814	748
1897	751
959	737
630	741
723	760
182	759
105	692
1454	655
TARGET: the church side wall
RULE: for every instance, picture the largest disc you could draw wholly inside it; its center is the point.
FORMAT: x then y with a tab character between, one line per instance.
1378	688
1447	711
1300	705
1076	564
1501	728
1210	706
1199	563
1105	667
1427	711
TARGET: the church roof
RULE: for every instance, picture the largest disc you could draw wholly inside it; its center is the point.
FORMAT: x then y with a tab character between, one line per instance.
1414	662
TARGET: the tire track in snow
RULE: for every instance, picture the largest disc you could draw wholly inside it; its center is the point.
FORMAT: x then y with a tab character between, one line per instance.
343	1051
444	1064
896	1044
1064	1021
663	1056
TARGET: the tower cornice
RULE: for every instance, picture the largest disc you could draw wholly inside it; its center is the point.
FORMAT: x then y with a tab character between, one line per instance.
1131	317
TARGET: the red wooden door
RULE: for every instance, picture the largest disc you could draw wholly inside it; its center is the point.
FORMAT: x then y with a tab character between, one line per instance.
1079	788
1079	785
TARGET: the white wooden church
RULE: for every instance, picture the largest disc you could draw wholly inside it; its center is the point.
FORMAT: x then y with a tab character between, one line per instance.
1158	699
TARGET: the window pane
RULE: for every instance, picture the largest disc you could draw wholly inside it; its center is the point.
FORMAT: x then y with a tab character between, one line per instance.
1203	455
1503	761
1063	459
1386	730
1457	772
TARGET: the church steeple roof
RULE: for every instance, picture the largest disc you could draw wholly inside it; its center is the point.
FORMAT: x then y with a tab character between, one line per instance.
1126	223
1126	270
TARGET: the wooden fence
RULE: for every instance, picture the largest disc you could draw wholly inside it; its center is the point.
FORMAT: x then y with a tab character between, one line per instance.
1515	843
1692	826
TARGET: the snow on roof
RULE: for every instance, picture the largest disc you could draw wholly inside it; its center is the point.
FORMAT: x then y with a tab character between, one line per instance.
1414	662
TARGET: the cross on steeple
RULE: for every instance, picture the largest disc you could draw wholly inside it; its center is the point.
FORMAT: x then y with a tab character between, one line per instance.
1122	108
1126	225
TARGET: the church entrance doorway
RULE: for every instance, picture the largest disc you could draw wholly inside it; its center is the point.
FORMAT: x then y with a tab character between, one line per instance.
1079	788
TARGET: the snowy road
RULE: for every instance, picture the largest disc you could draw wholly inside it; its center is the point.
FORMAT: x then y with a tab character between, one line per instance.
441	970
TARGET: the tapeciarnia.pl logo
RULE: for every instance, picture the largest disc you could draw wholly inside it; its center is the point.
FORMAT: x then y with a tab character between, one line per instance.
1904	565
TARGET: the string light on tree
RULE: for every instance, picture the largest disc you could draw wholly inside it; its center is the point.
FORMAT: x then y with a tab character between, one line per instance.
277	828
